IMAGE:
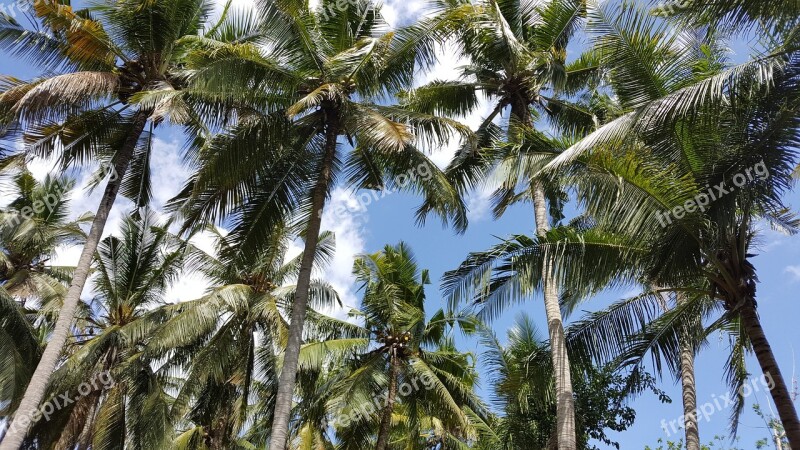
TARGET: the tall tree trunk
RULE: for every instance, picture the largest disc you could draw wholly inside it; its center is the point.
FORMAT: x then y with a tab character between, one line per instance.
386	415
565	401
688	386
771	371
689	391
35	391
283	402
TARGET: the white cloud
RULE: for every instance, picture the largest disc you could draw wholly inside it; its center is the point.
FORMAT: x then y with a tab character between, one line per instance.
192	285
448	65
479	203
632	292
85	198
401	12
6	193
793	271
349	226
169	173
219	5
189	286
448	68
168	176
207	241
40	167
67	255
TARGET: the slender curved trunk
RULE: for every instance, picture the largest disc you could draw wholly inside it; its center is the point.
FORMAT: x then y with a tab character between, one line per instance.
689	393
283	402
688	385
565	401
772	373
386	415
28	411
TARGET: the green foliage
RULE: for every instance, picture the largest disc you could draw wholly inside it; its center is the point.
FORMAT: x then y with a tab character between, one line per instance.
325	81
719	443
132	274
397	345
525	392
32	227
103	67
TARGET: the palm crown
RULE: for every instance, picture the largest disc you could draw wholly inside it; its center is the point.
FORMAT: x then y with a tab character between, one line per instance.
403	375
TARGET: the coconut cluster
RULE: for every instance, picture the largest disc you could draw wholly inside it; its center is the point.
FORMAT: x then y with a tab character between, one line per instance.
390	339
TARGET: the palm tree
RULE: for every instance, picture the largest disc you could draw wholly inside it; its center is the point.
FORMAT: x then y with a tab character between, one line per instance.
228	341
517	57
311	416
524	392
116	64
718	241
127	403
778	21
670	325
630	48
666	103
642	320
32	227
686	154
627	46
398	371
321	81
740	16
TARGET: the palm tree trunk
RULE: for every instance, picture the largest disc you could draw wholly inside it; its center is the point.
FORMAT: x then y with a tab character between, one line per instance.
689	394
565	401
688	385
386	416
283	401
35	391
771	371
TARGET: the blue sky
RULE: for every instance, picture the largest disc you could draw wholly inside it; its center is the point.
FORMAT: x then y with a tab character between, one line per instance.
391	220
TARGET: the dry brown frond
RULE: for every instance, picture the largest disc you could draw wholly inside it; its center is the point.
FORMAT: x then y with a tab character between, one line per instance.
68	89
13	90
86	38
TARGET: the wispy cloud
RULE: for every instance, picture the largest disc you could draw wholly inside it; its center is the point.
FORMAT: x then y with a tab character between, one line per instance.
349	228
793	271
479	203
